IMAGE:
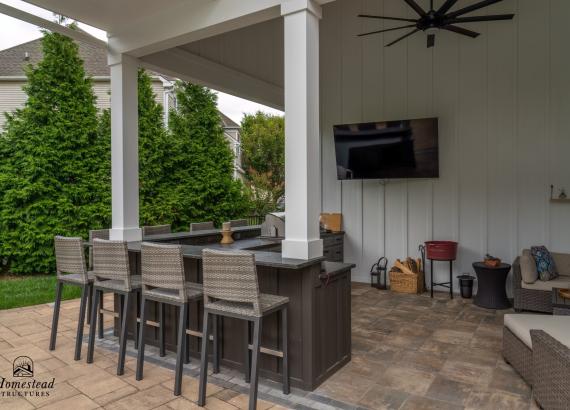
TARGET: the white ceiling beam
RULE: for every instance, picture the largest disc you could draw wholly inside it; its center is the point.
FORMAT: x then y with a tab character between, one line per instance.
190	22
50	25
187	66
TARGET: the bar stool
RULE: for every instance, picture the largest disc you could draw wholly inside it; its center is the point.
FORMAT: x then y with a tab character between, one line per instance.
156	230
234	223
163	281
112	274
71	270
93	234
231	289
201	226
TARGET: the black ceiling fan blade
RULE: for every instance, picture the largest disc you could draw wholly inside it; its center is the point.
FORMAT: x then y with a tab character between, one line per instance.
403	37
368	16
461	30
473	19
430	40
446	6
416	7
471	8
386	29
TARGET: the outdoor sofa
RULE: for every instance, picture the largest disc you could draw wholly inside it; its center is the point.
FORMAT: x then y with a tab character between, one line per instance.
538	348
537	296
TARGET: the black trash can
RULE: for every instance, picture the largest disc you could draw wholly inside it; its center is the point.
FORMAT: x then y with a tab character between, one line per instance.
466	285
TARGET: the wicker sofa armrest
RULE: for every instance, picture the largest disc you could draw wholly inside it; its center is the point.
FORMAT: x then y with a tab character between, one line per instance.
517	275
551	371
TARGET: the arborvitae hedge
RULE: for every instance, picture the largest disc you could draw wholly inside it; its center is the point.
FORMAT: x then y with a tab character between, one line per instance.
52	177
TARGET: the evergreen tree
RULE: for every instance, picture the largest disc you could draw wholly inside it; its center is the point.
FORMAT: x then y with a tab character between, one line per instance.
200	184
52	178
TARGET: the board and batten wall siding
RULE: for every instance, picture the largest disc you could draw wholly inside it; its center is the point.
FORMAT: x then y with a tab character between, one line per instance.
503	103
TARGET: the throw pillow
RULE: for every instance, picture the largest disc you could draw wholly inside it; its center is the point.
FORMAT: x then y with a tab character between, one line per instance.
544	263
528	268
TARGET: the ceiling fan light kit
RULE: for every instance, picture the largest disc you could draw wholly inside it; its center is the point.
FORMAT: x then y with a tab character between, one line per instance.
432	20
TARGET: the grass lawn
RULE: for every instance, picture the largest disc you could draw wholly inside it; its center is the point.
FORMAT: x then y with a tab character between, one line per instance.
31	290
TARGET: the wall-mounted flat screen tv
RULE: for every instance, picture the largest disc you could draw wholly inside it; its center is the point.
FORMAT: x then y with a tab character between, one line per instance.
387	150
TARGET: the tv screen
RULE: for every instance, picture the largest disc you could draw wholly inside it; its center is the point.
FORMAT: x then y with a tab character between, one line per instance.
386	150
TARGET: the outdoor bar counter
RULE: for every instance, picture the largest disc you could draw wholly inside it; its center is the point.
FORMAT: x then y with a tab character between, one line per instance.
319	327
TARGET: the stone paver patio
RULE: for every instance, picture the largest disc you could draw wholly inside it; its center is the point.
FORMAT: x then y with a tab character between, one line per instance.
409	352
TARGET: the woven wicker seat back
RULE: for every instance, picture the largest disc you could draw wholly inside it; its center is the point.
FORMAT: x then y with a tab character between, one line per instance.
69	257
201	226
162	266
230	276
156	230
238	222
96	234
111	262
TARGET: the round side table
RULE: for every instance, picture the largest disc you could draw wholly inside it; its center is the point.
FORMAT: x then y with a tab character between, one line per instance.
491	292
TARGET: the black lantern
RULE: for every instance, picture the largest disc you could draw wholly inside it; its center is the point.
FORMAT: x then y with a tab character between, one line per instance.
378	274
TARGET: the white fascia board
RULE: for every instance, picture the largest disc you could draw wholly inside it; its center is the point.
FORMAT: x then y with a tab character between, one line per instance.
186	66
190	22
50	25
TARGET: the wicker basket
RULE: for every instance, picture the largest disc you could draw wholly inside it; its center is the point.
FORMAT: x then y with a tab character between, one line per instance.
402	282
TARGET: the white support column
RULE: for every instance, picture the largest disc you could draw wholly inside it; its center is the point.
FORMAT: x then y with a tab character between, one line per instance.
302	131
124	148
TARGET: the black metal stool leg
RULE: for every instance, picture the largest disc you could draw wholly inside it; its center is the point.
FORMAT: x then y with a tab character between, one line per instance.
247	361
257	326
431	284
89	301
123	336
100	313
55	318
216	343
285	359
161	323
182	313
140	353
204	363
451	279
137	316
85	290
93	326
187	345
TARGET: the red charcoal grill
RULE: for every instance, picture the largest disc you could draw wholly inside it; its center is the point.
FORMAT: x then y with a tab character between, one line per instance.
445	251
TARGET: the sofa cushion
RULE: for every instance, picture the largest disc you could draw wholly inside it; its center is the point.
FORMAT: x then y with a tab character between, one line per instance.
545	264
529	273
556	326
562	261
562	282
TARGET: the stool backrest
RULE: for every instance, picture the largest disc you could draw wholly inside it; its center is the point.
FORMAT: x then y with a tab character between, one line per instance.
238	222
111	262
69	257
230	276
96	234
201	226
156	230
162	266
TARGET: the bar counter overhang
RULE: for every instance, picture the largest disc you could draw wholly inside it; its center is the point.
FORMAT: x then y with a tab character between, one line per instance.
319	324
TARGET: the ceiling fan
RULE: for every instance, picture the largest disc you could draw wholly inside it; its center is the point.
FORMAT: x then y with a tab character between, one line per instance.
432	20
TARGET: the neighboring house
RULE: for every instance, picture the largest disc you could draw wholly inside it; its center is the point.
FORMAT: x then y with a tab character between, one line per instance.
12	78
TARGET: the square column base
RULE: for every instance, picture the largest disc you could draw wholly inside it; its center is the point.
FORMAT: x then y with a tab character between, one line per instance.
126	234
302	249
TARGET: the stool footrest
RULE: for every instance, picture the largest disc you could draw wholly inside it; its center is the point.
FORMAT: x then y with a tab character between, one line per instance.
270	352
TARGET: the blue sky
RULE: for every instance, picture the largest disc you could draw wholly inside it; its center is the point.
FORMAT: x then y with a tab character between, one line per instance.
14	32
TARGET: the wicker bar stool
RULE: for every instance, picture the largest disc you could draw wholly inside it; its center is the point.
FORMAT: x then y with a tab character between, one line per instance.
163	281
202	226
231	289
93	234
112	274
156	230
71	270
234	223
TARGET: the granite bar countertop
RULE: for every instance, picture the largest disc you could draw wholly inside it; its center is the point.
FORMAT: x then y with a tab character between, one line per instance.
197	234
